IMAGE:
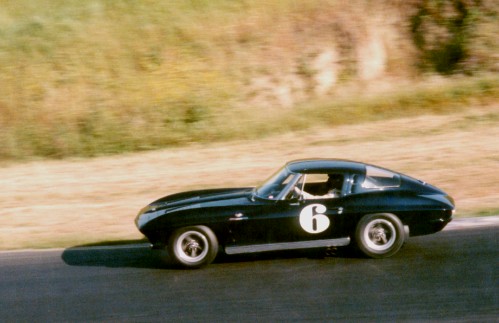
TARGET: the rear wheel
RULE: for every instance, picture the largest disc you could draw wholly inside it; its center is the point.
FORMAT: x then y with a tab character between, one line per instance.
193	247
380	235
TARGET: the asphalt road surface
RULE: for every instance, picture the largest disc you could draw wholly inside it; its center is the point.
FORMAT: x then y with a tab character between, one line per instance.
448	276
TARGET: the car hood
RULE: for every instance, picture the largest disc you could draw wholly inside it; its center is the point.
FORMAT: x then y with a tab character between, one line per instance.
192	199
197	197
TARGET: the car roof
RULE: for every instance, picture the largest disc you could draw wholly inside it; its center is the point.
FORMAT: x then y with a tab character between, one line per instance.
319	165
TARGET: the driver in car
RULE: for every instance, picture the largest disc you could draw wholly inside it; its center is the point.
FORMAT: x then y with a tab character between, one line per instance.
333	188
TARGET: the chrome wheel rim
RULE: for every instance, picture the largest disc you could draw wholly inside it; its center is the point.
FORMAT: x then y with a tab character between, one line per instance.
191	246
380	235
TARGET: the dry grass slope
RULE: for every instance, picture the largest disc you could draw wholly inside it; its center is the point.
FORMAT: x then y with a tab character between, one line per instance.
66	203
86	78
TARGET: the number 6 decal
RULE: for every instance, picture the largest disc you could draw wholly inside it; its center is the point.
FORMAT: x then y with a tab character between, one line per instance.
313	219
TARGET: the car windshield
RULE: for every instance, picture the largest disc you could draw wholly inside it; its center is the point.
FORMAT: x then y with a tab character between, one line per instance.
273	186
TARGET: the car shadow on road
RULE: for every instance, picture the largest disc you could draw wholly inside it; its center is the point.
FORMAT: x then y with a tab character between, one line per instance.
138	254
119	254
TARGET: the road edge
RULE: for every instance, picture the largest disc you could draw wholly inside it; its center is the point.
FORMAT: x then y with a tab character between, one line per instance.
455	224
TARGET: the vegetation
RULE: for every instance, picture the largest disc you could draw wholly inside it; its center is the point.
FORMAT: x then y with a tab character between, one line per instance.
63	203
85	78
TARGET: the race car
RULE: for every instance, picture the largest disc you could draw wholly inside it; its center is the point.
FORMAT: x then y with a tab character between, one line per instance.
313	203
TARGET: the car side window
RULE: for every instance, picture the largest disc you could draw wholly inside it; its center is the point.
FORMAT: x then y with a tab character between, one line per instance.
374	179
321	186
377	178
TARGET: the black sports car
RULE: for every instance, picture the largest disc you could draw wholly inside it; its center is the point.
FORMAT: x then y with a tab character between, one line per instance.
312	203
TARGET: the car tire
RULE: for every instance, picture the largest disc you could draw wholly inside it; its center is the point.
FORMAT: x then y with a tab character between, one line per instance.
379	235
193	247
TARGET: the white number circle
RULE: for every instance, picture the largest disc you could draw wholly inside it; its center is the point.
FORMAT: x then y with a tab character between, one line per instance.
313	219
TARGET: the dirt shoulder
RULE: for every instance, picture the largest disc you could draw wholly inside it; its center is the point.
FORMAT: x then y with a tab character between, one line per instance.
67	203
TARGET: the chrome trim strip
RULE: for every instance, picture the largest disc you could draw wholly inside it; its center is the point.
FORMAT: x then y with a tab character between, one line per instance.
288	246
238	219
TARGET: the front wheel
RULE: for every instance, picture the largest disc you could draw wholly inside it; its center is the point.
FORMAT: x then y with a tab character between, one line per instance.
193	247
380	235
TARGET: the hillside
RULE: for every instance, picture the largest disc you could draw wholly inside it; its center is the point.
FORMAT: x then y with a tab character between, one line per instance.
85	78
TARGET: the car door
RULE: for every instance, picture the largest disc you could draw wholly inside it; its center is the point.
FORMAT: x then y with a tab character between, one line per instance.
287	220
320	211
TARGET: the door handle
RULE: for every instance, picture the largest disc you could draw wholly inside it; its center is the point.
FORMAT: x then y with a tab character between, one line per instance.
238	217
338	210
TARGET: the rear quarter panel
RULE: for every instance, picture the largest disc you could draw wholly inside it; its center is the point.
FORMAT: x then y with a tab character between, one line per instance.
423	215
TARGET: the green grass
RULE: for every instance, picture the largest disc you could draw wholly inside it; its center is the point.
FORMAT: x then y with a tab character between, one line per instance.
86	78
